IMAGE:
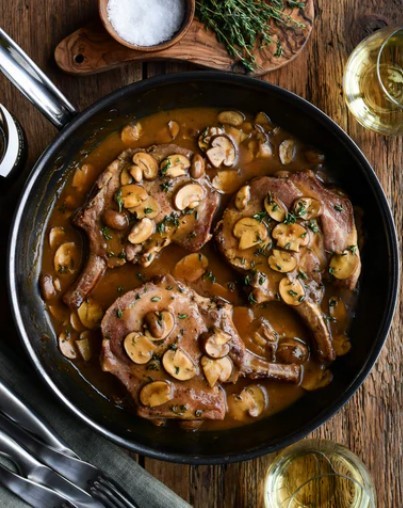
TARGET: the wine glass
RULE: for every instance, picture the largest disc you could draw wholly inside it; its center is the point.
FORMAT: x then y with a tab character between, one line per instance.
373	81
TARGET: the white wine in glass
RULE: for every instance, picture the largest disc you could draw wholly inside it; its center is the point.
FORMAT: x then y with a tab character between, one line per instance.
373	81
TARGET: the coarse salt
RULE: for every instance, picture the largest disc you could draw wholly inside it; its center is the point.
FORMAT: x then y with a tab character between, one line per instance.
146	22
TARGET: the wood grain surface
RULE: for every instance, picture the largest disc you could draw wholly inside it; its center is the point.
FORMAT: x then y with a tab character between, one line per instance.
371	423
90	49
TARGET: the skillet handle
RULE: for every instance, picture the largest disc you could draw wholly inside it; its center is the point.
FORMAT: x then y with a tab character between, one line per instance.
33	83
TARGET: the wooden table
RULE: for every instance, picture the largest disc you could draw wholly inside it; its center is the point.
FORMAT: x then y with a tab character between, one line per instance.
371	424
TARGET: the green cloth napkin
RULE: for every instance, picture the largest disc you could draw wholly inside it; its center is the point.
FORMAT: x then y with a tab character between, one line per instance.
145	490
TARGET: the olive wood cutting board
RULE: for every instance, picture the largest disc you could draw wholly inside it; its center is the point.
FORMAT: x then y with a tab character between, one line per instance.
92	50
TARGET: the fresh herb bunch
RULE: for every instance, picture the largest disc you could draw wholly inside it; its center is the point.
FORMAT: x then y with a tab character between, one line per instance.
240	24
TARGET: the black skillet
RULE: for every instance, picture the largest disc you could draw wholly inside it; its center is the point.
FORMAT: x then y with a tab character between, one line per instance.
378	286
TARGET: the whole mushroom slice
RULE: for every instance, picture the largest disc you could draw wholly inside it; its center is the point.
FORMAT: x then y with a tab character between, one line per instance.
291	291
56	236
216	344
252	401
141	231
115	220
235	118
206	135
286	151
179	365
222	151
189	196
67	346
132	195
90	313
159	324
242	197
173	128
307	208
344	265
175	165
316	377
131	133
156	393
139	348
147	164
282	261
290	236
191	267
226	181
292	351
275	208
216	369
250	232
66	258
198	166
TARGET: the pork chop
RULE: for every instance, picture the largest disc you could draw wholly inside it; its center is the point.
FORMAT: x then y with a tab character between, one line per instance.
289	233
143	201
197	348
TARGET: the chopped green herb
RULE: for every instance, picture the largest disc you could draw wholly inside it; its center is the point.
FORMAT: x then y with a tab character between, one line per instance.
338	208
155	299
251	298
198	413
332	302
331	270
182	316
292	292
166	164
119	199
313	226
106	233
231	286
165	186
260	216
210	277
353	249
290	218
148	210
302	274
119	313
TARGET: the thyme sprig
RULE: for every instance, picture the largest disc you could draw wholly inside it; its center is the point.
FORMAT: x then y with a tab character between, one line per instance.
241	24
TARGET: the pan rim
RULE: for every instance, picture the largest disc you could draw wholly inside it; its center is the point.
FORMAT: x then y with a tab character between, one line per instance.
317	115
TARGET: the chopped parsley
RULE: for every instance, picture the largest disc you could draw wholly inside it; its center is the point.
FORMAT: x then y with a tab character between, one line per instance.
209	276
338	208
106	233
260	216
155	299
119	313
313	226
182	316
290	218
165	186
119	199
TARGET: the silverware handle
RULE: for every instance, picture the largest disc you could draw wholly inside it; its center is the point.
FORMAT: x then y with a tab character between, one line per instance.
11	406
33	83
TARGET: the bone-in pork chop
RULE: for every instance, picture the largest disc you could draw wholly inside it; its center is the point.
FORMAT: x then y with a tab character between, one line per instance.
172	349
143	201
290	233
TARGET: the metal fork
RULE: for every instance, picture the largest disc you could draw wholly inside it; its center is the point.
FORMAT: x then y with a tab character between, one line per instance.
31	492
38	437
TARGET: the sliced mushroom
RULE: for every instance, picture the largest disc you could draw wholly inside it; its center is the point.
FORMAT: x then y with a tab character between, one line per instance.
206	135
48	287
252	401
84	346
222	151
156	393
191	267
83	177
189	196
216	344
291	291
131	133
139	348
198	167
265	150
135	173
250	232
292	351
275	208
133	195
238	135
290	236
141	231
175	165
316	377
344	265
147	164
115	220
263	119
76	323
307	208
242	197
216	370
286	151
67	258
235	118
56	236
159	324
226	181
179	365
67	346
282	261
90	313
173	128
341	344
148	208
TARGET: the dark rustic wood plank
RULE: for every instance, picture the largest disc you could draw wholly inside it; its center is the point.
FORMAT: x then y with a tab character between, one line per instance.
371	423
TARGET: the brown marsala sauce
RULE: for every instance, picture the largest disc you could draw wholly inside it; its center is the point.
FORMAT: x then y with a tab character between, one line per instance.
220	280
